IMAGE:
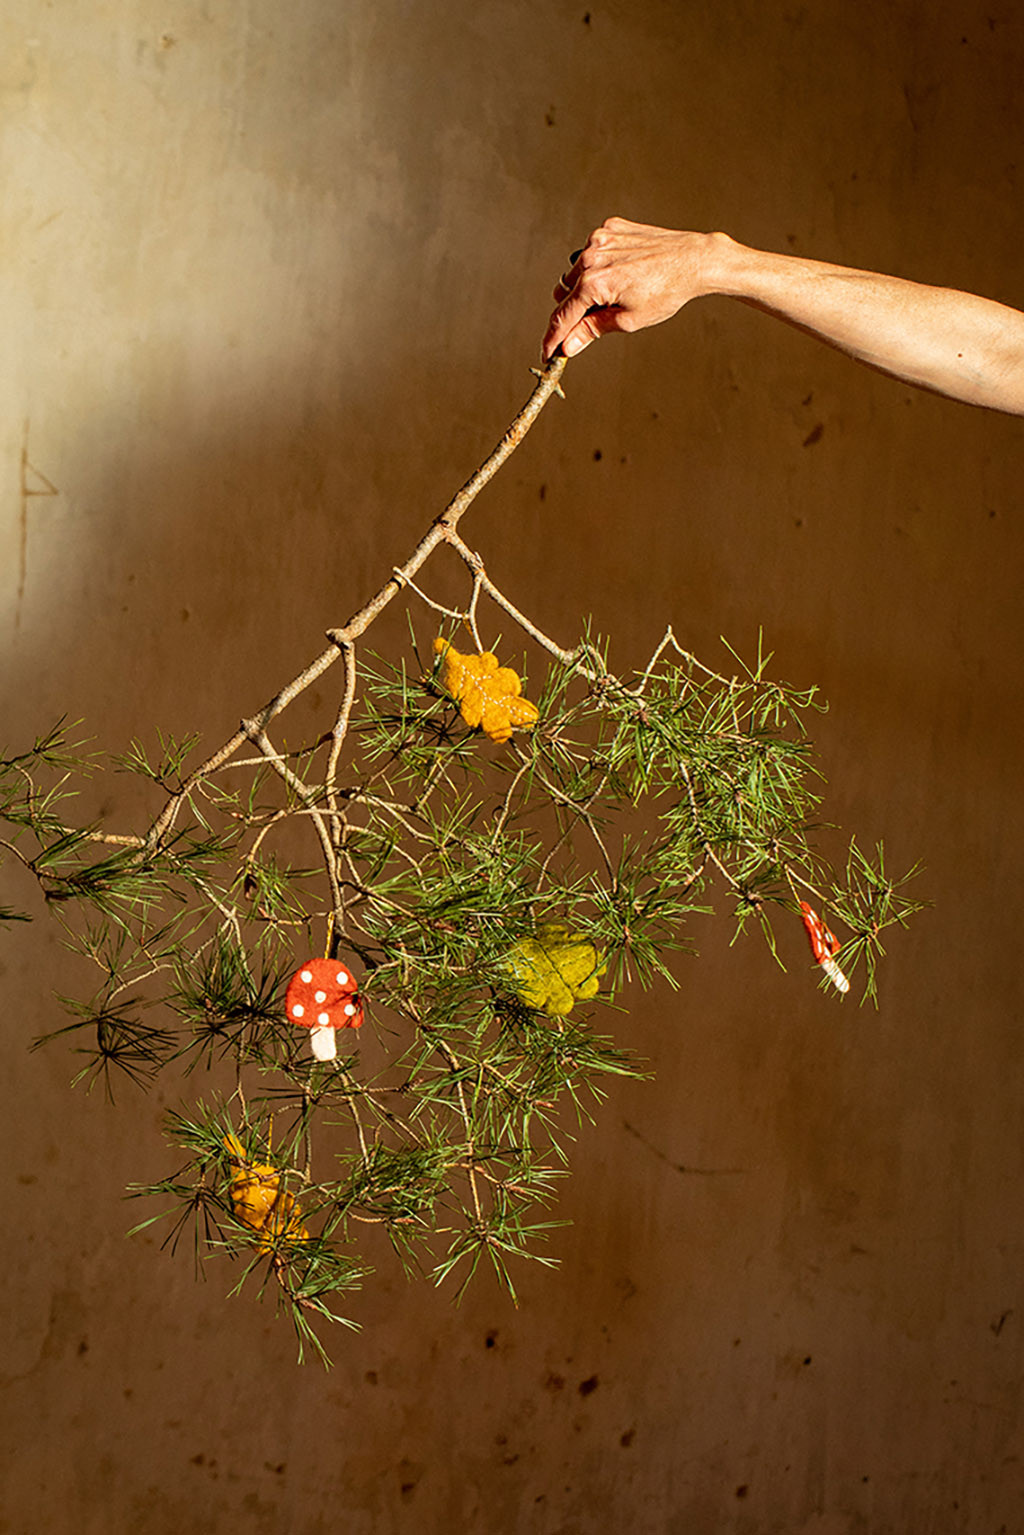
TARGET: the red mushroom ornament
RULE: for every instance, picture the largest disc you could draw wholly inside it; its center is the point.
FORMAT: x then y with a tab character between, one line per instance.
824	946
322	998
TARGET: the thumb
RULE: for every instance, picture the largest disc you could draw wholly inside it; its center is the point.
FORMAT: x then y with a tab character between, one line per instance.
594	323
563	321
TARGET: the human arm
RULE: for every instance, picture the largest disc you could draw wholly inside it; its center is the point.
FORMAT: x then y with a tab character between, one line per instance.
629	276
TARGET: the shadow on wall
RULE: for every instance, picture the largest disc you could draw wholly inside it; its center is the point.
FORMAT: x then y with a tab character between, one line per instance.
192	565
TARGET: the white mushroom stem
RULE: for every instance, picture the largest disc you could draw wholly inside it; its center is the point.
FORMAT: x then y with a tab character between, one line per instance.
834	974
321	1037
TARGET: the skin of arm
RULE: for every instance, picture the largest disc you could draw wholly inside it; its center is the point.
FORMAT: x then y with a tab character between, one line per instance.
629	276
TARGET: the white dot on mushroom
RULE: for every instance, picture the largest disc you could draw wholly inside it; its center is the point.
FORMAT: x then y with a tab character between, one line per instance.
349	1010
298	1010
307	975
323	1018
321	996
341	978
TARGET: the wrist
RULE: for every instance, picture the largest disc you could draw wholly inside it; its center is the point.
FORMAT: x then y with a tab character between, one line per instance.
727	268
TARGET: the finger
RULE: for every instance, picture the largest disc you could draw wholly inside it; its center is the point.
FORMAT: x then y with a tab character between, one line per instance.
569	278
594	323
569	312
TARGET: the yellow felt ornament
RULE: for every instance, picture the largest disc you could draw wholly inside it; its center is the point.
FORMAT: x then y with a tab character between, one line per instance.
488	695
258	1201
555	969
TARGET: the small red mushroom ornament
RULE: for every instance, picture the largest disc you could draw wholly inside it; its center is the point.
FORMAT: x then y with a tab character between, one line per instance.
824	946
322	998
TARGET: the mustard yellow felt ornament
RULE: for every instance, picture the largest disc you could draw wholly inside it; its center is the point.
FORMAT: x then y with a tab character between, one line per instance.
555	969
258	1201
488	695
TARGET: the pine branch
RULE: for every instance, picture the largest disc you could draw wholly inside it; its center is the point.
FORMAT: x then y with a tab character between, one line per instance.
495	851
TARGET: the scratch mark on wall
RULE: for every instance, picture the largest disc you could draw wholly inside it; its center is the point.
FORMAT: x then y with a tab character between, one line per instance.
682	1167
33	483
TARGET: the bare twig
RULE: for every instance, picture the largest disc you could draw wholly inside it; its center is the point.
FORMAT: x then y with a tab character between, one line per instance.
342	639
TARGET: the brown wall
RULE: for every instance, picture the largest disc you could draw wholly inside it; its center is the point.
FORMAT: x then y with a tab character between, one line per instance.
273	279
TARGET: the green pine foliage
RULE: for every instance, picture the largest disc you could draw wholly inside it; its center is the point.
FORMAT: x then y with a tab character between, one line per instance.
422	853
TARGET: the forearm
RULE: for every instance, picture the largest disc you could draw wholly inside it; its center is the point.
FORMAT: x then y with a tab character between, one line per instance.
630	275
957	344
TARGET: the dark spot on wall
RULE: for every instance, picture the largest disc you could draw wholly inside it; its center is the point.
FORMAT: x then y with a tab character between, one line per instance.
808	1359
585	1387
543	492
807	398
742	1490
83	1347
278	1470
814	435
198	1460
409	1475
370	1377
626	1439
598	455
549	117
586	18
491	1338
1000	1321
554	1383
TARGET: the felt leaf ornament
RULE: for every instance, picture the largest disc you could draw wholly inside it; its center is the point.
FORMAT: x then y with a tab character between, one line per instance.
258	1200
824	946
488	695
322	998
554	970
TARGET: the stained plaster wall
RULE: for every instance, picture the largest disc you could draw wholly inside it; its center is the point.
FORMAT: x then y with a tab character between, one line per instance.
273	277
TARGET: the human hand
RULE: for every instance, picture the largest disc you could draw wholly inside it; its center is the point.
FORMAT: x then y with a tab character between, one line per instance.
626	277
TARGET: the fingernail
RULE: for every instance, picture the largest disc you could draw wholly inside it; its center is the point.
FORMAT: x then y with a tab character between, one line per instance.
572	346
